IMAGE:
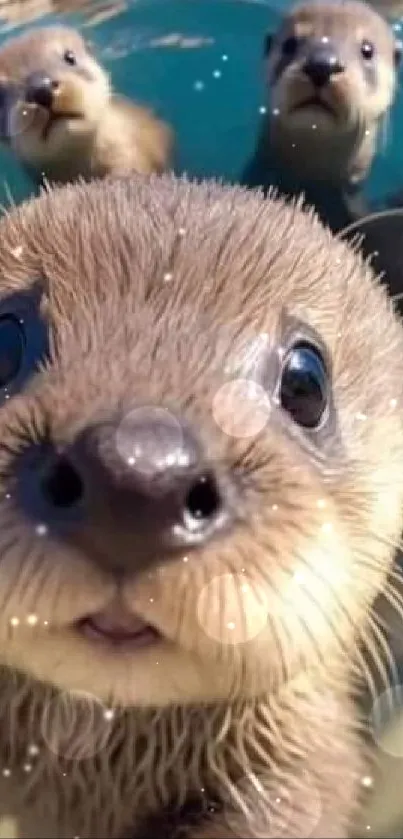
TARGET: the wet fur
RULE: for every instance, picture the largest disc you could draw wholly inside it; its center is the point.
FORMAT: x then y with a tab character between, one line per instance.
116	135
260	739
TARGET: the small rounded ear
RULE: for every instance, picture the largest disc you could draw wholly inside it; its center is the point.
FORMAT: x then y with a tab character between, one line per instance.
397	52
267	43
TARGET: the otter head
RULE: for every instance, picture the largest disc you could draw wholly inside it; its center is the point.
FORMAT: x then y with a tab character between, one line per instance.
331	72
54	93
200	459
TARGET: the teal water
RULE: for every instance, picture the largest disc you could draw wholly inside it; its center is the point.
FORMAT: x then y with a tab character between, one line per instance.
207	84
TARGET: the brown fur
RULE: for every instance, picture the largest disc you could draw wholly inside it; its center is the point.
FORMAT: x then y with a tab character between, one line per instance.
114	135
343	145
209	739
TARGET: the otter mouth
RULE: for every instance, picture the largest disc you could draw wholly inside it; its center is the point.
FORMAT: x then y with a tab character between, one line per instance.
117	628
54	118
316	103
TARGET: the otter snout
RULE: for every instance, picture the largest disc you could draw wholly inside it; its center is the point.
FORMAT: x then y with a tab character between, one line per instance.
321	64
40	89
146	478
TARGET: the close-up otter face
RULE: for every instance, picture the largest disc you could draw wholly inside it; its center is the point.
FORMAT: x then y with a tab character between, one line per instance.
200	460
331	67
54	94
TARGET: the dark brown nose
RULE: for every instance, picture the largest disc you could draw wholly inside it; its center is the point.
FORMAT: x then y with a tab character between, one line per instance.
321	64
142	487
40	90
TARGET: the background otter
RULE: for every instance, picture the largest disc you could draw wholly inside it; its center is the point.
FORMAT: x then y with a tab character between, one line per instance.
60	117
331	76
201	488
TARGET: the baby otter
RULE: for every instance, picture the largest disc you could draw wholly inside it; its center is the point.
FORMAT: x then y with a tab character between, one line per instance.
61	119
201	466
331	74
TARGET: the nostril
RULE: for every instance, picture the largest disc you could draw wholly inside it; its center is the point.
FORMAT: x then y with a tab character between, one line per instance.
62	485
54	85
203	501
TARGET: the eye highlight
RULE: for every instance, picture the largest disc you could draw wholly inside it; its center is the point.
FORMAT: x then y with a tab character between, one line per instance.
367	50
12	348
304	386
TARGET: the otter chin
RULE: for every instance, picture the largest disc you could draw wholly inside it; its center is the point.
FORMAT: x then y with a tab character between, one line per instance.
200	494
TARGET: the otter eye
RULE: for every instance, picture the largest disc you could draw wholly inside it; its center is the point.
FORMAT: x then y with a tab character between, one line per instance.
290	46
70	58
367	50
12	345
304	387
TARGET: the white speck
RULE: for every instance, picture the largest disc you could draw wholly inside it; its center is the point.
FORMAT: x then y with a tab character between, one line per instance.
202	789
181	231
321	503
366	134
109	714
293	145
33	750
15	621
21	321
7	396
8	496
275	112
6	773
278	800
314	127
245	588
199	85
231	625
185	559
360	416
274	507
368	827
151	600
367	781
17	251
217	74
131	461
45	623
167	277
299	578
325	39
224	57
27	767
32	620
41	530
393	403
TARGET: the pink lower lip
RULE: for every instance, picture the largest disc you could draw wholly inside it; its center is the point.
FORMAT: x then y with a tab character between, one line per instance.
141	637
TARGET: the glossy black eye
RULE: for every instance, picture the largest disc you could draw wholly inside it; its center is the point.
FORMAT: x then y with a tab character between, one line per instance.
304	388
70	58
367	50
290	46
12	347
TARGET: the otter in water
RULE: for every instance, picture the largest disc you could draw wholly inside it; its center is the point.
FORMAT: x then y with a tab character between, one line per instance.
201	487
61	119
331	74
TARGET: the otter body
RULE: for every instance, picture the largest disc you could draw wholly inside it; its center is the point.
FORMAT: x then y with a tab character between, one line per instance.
331	76
61	119
200	491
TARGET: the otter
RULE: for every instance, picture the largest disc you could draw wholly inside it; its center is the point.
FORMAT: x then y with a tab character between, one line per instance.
61	119
201	489
331	72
